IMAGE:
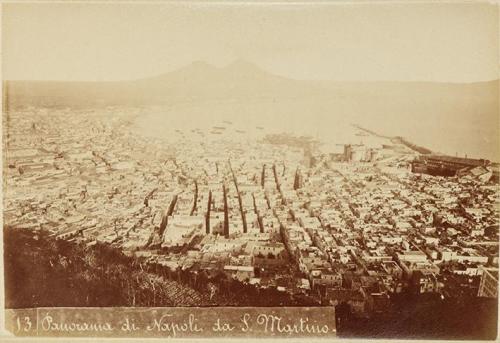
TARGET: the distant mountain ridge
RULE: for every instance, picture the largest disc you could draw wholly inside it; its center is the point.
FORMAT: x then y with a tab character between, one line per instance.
446	117
202	81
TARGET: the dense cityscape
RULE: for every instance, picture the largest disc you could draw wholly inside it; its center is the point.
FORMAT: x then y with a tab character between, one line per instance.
355	225
245	169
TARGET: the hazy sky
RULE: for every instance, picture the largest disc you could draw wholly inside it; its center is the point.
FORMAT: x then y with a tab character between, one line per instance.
418	41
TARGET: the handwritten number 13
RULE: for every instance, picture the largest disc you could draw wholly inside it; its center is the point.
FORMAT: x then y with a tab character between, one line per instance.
24	325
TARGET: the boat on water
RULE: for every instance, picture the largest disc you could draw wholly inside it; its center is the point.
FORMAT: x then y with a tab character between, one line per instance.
218	127
227	122
260	127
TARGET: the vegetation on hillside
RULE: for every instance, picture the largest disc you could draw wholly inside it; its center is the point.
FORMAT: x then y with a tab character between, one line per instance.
41	271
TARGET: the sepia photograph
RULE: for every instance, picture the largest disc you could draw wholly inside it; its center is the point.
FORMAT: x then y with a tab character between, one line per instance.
251	169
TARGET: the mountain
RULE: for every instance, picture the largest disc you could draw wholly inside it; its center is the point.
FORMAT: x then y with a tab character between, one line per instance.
197	80
205	82
238	80
421	111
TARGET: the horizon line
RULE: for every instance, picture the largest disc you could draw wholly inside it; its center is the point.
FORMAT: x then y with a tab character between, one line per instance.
252	64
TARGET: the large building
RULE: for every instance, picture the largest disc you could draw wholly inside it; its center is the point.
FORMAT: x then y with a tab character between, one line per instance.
357	153
445	165
489	283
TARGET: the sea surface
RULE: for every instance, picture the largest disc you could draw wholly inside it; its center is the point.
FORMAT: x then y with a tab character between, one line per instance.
236	121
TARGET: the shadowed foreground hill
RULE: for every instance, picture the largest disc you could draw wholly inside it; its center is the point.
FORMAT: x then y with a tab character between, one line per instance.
41	271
